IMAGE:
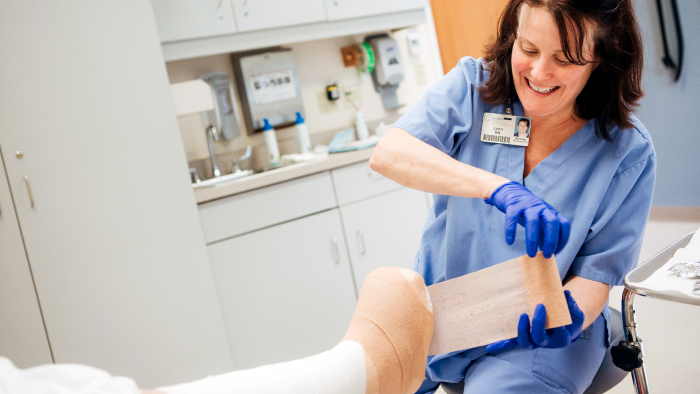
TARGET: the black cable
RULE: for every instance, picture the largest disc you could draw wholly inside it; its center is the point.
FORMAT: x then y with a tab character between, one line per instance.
667	60
679	35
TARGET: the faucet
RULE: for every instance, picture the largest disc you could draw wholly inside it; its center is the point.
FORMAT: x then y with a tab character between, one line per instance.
236	168
212	132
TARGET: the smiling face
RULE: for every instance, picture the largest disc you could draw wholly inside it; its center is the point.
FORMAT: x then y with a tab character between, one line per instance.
545	81
522	127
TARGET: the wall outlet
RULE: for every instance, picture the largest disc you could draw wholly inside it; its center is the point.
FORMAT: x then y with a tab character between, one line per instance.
324	105
352	95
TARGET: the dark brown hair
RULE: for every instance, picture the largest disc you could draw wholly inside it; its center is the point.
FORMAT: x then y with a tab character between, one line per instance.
613	89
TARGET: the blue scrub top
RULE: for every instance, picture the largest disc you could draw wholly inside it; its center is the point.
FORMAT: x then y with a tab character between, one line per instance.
604	189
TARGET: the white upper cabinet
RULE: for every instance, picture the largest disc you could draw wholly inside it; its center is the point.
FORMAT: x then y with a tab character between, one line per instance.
266	14
22	336
346	9
188	19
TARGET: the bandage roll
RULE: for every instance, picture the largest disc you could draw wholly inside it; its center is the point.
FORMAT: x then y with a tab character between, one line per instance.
394	325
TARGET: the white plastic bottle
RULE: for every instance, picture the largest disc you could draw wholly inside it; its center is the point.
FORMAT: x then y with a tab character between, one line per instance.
303	134
361	126
273	151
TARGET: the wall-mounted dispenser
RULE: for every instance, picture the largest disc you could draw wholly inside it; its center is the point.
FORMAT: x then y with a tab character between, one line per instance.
224	116
269	88
388	71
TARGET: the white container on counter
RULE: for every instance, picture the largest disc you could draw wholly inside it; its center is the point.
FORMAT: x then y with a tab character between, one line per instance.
303	135
361	126
273	151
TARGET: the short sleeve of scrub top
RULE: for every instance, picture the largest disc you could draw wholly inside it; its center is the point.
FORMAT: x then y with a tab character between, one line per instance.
443	116
603	187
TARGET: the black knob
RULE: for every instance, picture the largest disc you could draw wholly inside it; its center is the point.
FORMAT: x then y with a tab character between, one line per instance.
626	356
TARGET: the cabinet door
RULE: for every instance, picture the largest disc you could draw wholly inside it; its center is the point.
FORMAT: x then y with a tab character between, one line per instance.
106	209
384	231
187	19
346	9
267	14
22	336
286	292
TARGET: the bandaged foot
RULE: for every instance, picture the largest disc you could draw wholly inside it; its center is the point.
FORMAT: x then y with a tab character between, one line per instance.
393	322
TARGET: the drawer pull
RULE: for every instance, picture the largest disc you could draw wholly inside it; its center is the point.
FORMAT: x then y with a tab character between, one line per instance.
335	250
29	191
360	242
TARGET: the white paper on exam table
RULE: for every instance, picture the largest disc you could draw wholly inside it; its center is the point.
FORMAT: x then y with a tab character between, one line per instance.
665	280
688	254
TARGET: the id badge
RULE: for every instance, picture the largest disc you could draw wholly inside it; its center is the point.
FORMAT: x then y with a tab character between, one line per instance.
505	129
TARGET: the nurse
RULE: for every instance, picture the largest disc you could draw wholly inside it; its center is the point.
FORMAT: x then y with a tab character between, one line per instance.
580	189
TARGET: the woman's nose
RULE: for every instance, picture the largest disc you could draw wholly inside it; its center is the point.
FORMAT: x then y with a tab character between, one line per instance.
541	69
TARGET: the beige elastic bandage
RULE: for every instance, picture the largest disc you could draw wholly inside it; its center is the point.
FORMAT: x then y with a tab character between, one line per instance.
394	324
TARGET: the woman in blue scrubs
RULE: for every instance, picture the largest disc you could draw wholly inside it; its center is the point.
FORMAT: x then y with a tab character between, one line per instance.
581	188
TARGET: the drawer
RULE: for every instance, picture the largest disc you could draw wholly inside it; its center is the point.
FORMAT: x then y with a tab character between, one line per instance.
265	207
359	181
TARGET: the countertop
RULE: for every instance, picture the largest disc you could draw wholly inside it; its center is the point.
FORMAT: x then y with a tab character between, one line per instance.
267	178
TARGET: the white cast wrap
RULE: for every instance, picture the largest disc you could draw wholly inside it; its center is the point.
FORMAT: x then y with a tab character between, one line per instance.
61	379
340	370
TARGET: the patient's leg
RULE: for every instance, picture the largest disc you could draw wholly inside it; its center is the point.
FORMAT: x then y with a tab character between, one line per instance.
384	350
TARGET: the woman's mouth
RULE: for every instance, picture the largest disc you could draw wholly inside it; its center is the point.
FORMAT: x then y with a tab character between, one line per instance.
541	89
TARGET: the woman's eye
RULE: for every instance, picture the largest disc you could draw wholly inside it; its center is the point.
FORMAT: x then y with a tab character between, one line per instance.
529	53
562	62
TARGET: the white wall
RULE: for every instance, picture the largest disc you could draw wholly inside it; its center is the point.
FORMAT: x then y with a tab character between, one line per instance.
669	110
319	63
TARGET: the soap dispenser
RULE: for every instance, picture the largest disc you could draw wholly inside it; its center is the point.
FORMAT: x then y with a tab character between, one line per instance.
303	134
273	151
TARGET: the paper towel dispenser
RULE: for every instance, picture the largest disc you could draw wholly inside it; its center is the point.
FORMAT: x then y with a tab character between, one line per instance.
269	87
226	118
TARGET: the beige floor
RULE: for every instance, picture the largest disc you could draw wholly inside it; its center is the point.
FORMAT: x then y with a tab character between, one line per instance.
670	331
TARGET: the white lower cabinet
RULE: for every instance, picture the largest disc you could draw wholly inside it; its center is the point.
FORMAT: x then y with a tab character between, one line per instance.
384	230
286	291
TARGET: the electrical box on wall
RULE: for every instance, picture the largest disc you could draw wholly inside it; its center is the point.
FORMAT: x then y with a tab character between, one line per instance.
269	88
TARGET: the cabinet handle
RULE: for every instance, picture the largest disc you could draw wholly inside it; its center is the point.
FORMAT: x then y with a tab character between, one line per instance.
29	191
360	242
335	250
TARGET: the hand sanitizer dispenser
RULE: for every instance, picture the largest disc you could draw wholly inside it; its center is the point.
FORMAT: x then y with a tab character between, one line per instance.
389	65
388	71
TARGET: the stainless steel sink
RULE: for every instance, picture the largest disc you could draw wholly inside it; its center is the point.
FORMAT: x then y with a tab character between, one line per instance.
222	179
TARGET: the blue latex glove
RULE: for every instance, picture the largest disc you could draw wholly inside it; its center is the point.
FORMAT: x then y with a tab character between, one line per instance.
545	228
540	337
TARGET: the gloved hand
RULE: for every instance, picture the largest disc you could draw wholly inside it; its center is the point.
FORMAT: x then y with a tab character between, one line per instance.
545	228
540	337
